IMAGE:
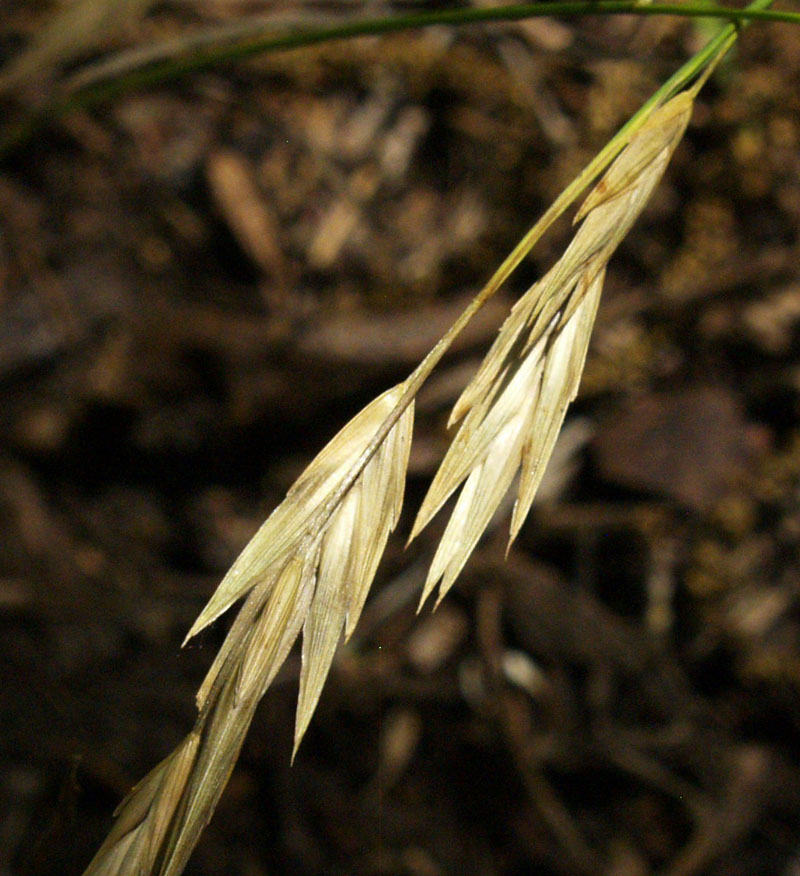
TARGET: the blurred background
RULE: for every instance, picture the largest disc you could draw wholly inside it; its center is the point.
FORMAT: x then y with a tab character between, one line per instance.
201	281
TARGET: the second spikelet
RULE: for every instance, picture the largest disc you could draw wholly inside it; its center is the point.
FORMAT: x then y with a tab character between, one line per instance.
514	407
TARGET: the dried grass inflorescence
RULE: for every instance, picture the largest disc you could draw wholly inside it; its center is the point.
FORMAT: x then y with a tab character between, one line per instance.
311	564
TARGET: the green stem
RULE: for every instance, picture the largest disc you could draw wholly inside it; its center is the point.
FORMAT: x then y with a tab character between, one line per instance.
184	55
137	68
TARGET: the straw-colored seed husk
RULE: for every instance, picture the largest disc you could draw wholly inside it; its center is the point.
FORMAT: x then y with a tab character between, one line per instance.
291	521
514	407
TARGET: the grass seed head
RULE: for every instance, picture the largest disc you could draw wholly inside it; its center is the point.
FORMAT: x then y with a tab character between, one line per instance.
311	564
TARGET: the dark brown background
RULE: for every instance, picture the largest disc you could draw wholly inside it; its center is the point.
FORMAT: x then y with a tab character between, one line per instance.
200	283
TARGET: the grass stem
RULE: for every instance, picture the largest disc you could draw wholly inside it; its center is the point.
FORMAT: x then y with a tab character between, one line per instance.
138	68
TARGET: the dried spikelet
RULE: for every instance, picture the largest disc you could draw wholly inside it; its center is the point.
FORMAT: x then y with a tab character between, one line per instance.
299	513
160	821
134	843
514	407
310	572
310	566
350	552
